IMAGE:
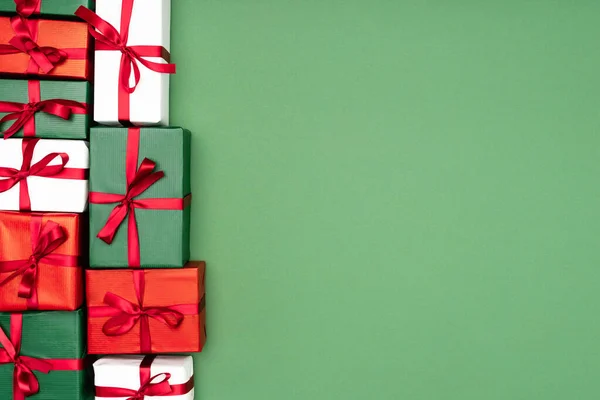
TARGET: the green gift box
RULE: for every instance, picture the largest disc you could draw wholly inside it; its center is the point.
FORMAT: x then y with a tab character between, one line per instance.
47	348
45	8
139	197
45	109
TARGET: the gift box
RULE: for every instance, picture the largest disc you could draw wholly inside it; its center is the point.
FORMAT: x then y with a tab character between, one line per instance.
139	197
44	175
42	352
45	109
44	8
148	377
40	262
147	311
36	47
132	82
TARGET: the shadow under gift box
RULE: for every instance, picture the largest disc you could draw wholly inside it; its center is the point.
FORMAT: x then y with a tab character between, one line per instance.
40	252
69	42
46	8
54	336
17	95
37	184
122	187
146	311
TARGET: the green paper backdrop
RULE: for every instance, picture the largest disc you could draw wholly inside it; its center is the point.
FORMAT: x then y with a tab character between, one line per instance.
396	199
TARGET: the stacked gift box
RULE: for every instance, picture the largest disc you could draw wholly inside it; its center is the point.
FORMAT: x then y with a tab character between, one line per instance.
143	298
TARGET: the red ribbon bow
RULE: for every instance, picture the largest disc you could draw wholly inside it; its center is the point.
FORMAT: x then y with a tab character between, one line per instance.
46	58
149	386
26	8
45	240
25	382
143	179
41	168
108	38
23	112
130	314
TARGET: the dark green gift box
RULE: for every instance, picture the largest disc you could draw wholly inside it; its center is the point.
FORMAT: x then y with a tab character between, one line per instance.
54	335
45	124
164	234
48	8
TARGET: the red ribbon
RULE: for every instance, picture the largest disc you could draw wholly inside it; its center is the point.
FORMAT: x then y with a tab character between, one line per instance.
125	315
44	241
138	181
149	386
108	38
41	168
26	8
23	113
44	58
25	382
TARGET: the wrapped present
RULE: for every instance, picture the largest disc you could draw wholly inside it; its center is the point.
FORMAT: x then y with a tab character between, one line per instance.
144	377
43	175
41	355
133	311
40	262
44	8
40	47
132	81
46	109
139	197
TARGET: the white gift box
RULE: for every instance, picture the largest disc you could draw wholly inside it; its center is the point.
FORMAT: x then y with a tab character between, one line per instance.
124	372
47	194
149	104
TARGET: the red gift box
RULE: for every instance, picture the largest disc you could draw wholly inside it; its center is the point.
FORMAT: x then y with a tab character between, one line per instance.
40	261
133	311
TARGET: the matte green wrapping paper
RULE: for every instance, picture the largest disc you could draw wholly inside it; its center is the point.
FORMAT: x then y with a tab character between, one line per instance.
51	335
44	124
48	8
163	233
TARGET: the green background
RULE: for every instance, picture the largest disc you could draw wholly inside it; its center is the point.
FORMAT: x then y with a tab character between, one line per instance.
396	199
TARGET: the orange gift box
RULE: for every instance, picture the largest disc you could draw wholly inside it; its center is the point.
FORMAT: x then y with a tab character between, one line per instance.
63	44
40	263
150	311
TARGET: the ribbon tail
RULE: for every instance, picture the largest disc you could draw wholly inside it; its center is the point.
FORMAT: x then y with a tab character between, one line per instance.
109	230
145	338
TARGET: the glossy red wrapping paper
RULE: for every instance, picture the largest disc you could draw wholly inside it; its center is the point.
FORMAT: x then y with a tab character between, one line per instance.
172	307
56	279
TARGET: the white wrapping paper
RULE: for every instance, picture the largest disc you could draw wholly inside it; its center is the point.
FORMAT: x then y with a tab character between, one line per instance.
47	194
149	104
124	372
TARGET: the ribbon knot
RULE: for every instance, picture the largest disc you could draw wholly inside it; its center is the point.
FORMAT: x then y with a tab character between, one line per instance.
33	107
